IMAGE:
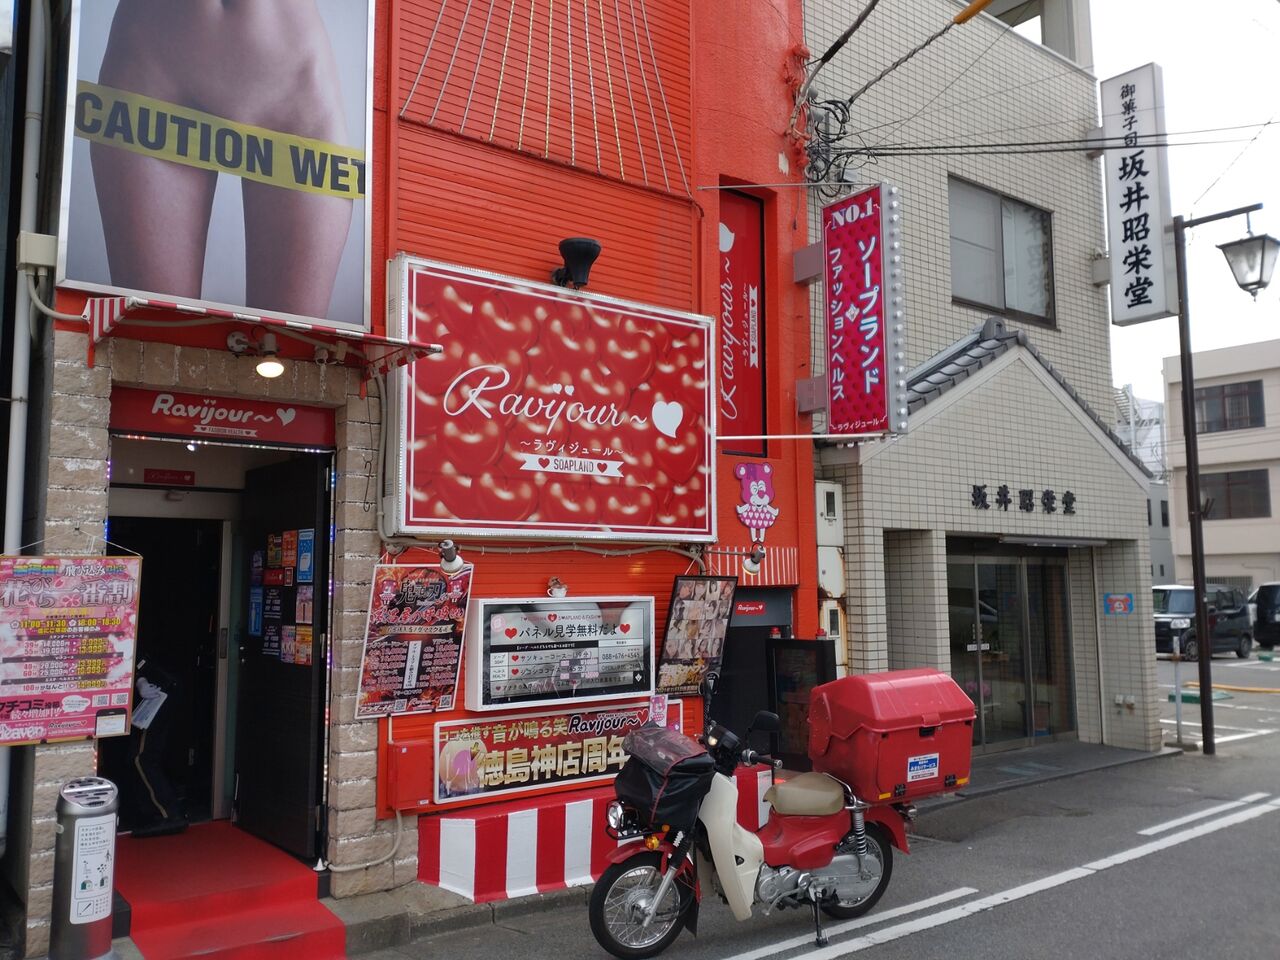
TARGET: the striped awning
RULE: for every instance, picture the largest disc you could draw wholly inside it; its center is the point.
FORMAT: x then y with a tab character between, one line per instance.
377	354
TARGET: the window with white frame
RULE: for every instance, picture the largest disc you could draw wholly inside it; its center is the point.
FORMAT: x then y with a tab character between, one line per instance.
1001	253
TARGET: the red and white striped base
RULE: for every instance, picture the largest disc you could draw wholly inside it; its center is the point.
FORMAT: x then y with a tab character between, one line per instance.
525	847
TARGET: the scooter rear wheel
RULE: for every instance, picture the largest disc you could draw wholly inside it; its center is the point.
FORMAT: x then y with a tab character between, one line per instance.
619	899
878	847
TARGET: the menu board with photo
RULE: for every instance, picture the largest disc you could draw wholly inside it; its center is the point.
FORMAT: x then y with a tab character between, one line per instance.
534	651
413	640
697	621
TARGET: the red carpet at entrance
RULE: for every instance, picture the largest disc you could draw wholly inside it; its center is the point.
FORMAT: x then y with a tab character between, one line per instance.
216	892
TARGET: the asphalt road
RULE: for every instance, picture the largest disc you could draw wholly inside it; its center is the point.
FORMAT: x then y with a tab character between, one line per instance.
1168	858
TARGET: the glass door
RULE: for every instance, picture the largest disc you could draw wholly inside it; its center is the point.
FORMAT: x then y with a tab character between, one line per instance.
966	666
1002	642
1052	707
1010	633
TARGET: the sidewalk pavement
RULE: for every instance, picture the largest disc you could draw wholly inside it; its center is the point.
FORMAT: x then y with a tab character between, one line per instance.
382	920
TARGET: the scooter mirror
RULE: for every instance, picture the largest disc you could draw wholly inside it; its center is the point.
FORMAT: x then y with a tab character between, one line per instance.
766	722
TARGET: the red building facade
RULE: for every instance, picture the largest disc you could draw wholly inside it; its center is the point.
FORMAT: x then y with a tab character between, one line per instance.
657	129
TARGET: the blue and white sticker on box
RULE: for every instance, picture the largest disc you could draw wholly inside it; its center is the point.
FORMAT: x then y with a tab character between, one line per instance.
923	767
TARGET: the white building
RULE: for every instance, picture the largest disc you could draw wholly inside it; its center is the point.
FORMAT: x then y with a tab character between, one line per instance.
1237	401
1000	536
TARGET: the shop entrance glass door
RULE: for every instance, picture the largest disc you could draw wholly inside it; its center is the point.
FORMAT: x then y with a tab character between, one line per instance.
1001	651
1011	645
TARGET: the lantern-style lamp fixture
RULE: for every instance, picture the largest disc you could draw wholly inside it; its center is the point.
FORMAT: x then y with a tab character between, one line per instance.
1252	261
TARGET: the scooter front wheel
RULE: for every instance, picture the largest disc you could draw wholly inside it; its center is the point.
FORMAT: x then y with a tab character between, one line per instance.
870	892
620	900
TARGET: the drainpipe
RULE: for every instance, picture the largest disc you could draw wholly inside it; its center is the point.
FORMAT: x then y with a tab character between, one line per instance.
14	493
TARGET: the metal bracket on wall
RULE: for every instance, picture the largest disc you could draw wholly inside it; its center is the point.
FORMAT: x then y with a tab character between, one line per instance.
811	394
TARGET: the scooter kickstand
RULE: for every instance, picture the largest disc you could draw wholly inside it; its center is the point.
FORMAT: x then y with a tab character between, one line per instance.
819	938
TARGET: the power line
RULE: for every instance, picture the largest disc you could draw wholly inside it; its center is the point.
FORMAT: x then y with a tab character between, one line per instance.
1234	161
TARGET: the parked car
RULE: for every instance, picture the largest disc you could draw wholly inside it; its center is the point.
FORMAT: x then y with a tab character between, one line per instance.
1266	605
1175	620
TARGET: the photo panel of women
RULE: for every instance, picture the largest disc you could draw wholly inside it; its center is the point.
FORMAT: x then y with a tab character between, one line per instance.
697	622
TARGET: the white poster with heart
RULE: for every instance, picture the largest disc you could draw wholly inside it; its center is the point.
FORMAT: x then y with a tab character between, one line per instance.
551	412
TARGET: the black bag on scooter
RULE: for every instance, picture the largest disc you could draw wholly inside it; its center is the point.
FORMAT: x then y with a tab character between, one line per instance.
665	778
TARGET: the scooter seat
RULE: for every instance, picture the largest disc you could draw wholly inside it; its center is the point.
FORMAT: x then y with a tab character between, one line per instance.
807	795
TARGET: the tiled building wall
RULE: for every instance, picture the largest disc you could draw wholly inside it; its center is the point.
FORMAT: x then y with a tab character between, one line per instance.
916	599
1008	424
76	511
980	83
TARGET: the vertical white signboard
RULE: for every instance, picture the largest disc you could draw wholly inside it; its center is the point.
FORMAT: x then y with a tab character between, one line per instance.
1143	282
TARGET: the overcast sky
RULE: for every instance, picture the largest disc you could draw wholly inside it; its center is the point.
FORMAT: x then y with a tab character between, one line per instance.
1221	64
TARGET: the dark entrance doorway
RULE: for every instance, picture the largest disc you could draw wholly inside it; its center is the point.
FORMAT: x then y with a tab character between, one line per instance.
177	632
246	734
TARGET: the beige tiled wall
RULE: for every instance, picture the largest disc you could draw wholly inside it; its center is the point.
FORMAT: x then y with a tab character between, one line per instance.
1009	424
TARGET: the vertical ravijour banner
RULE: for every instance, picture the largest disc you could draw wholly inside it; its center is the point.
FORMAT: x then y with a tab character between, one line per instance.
68	631
865	317
1143	279
218	155
740	352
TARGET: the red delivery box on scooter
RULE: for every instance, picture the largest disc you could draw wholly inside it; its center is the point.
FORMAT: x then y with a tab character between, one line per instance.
894	737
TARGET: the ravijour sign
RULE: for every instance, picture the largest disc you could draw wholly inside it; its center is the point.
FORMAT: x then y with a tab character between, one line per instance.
551	413
740	356
165	412
70	626
518	753
176	185
866	326
1143	279
527	652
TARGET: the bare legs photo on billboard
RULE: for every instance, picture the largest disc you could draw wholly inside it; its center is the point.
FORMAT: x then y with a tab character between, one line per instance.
262	63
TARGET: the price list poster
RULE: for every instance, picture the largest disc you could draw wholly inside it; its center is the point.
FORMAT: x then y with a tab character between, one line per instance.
68	630
413	640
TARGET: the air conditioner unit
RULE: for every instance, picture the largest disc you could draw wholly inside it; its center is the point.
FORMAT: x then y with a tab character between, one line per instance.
830	507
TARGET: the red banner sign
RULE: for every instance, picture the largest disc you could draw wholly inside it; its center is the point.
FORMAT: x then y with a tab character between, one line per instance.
135	410
552	413
865	326
515	754
740	360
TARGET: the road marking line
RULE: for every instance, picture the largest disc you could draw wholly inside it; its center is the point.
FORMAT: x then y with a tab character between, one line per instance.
1242	736
1192	817
1220	726
898	931
836	929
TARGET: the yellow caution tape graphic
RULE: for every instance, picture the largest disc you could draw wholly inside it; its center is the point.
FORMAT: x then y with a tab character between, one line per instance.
170	131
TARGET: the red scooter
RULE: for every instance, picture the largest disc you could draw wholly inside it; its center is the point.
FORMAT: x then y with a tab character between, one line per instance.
877	741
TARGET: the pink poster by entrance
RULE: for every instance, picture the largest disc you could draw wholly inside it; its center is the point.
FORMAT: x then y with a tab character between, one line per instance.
68	629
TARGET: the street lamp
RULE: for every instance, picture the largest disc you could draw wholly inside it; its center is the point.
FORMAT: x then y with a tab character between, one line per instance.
1252	261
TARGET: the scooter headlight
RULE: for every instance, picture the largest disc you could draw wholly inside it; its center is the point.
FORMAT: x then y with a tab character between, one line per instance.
614	815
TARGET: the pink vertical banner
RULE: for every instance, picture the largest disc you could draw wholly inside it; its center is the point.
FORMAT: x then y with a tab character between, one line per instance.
865	317
68	629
